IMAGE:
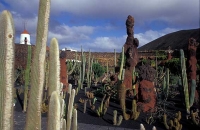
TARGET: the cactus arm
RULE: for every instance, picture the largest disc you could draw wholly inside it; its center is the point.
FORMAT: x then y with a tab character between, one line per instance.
121	66
6	70
33	118
73	67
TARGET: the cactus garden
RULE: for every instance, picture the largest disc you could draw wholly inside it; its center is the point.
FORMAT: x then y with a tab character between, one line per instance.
51	92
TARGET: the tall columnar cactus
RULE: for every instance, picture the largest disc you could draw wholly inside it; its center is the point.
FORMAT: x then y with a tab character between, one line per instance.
33	119
166	84
6	70
74	123
115	57
54	67
121	66
184	80
54	119
70	108
27	78
83	63
88	70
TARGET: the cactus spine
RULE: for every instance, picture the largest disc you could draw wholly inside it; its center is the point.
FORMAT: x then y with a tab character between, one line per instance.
33	119
54	67
184	81
54	112
27	78
6	70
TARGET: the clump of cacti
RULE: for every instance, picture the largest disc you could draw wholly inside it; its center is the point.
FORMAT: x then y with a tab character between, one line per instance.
7	34
173	124
115	121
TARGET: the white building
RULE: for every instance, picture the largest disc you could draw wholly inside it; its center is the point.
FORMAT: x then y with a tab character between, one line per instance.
25	38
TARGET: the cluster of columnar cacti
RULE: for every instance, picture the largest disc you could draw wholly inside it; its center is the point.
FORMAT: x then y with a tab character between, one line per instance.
115	121
6	70
173	124
27	78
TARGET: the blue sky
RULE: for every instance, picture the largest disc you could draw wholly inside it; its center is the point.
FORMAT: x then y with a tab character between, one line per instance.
99	25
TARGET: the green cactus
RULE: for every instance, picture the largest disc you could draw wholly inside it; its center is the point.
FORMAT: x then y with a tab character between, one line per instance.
73	67
6	70
54	67
167	83
54	112
27	78
88	69
184	80
121	66
192	91
33	118
115	58
83	63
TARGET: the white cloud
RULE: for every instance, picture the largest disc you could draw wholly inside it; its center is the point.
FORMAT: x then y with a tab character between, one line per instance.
151	35
108	44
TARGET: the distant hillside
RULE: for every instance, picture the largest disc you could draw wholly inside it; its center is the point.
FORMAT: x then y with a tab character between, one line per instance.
175	40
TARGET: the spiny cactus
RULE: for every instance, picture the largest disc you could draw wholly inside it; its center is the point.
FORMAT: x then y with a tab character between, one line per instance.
120	118
184	81
54	122
33	118
173	124
27	78
70	108
54	67
6	70
74	123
